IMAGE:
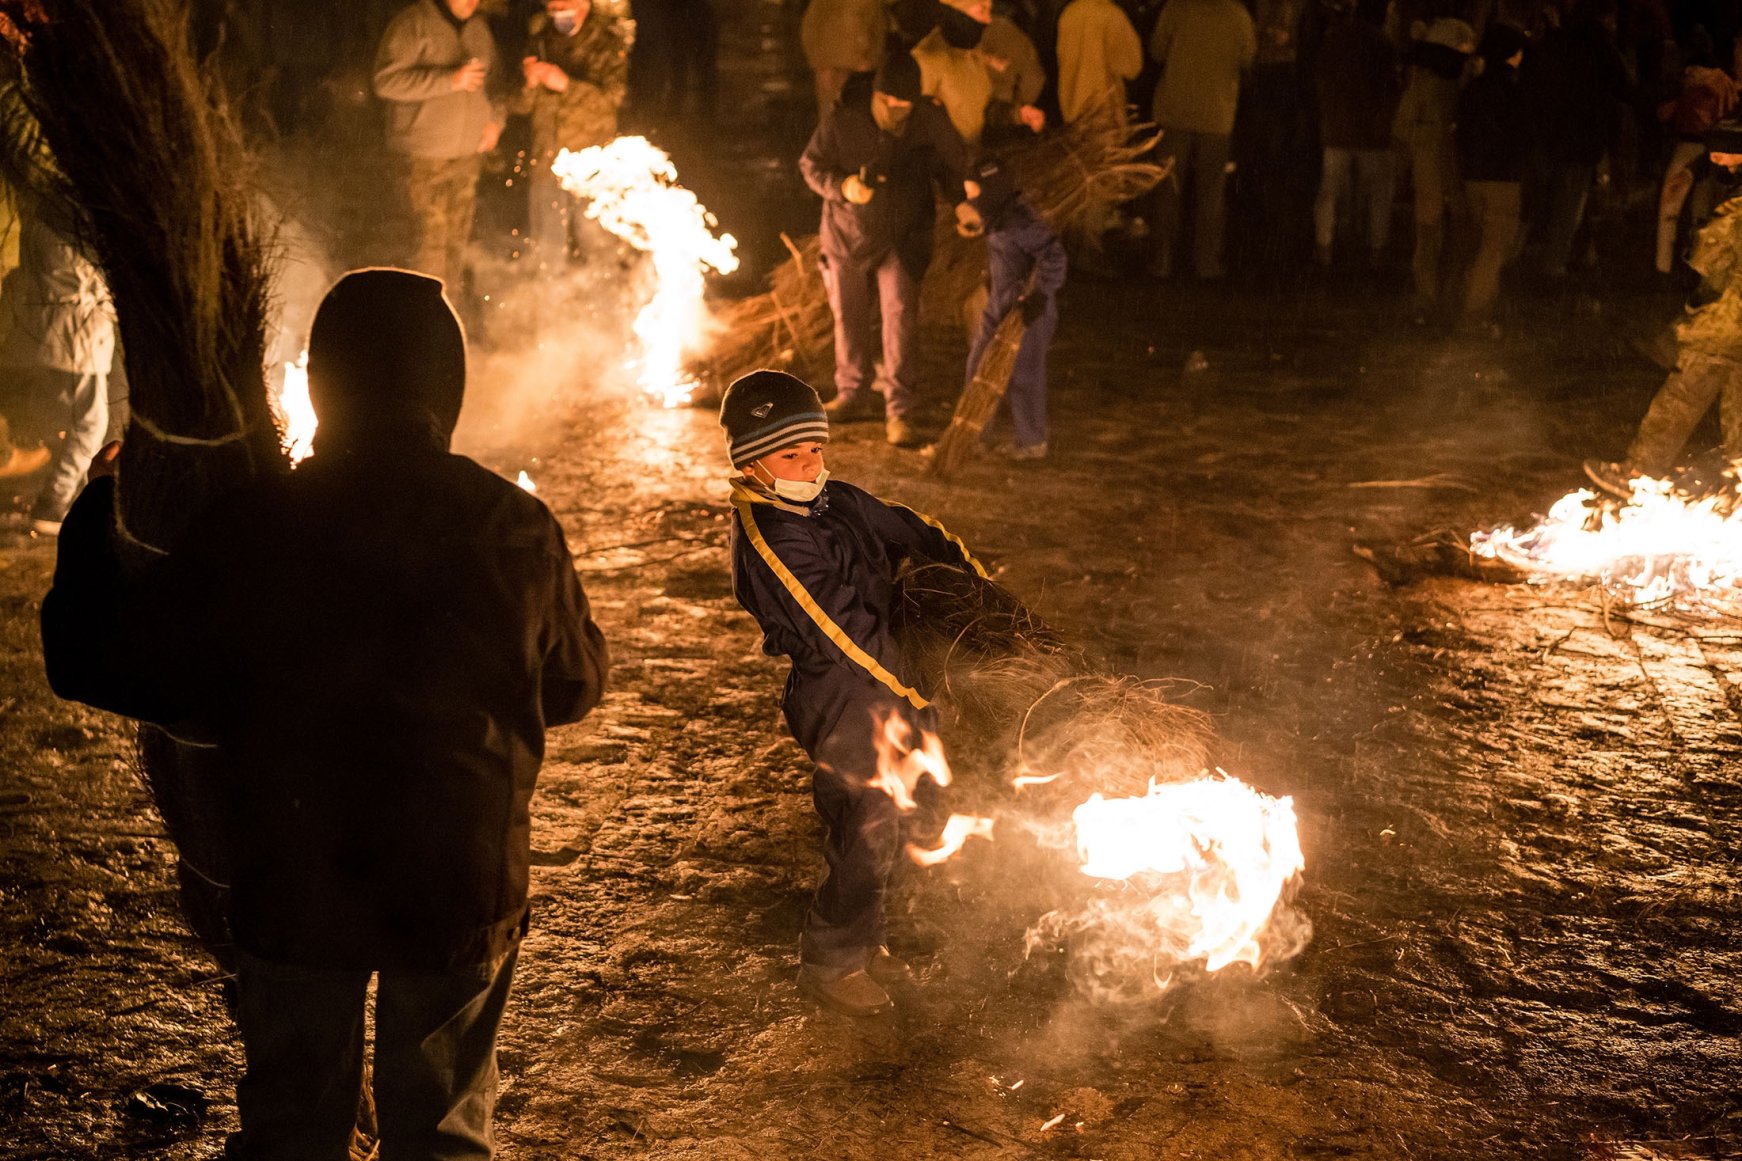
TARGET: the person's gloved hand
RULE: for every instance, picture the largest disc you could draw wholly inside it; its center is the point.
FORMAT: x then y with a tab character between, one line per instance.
1032	306
969	224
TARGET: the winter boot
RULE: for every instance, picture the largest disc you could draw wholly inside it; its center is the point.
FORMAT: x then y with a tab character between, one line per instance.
850	991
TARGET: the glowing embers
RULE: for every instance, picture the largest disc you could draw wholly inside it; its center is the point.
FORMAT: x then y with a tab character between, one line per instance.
632	190
294	413
1658	548
1210	859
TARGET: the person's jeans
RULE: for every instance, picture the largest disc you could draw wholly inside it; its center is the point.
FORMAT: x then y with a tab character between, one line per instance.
1370	176
858	293
1204	158
1494	207
1698	381
1433	172
435	1060
76	403
1568	188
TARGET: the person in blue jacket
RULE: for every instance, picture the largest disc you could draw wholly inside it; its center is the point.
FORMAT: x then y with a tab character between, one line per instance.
1026	262
814	561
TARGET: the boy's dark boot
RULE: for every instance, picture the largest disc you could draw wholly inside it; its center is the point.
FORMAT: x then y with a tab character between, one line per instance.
850	991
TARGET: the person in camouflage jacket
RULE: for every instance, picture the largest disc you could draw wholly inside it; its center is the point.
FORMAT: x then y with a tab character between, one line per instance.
1709	363
576	72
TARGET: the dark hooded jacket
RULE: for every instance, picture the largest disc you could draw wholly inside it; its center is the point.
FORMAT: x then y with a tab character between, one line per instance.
376	643
901	169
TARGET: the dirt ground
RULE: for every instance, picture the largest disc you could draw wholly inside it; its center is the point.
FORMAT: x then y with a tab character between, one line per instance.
1519	815
1519	811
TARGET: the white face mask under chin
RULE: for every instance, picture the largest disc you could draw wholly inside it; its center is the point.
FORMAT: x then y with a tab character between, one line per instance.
798	491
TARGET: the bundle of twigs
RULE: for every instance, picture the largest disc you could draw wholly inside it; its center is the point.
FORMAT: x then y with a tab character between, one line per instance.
979	401
1018	688
1072	176
109	124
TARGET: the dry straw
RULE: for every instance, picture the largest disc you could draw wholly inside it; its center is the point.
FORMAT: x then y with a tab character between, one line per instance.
1073	177
111	129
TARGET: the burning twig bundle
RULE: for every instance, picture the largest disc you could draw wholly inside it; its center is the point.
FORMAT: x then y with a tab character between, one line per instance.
1072	177
110	124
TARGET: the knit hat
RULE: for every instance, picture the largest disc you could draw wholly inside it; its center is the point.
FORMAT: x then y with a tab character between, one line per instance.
997	189
1724	137
386	353
898	77
1500	41
765	411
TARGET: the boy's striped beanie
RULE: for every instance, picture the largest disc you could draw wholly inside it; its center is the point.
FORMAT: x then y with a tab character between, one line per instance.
765	411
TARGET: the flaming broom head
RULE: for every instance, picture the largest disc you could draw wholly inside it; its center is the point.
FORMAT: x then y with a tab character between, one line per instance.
1175	871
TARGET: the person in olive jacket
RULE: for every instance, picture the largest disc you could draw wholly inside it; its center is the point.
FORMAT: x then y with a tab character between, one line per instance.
374	644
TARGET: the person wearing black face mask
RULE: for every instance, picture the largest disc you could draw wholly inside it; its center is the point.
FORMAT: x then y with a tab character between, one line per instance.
1709	357
874	162
956	74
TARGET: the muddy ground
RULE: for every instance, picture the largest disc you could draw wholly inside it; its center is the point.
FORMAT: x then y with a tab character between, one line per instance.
1519	814
1519	810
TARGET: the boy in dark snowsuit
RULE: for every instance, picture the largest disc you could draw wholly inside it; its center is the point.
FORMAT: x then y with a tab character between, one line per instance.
814	561
1026	262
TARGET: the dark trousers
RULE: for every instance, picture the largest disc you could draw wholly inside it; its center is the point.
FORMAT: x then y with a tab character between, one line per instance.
858	293
861	841
1202	160
435	1060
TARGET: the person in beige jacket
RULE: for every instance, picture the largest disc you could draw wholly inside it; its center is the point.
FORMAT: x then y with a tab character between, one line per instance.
840	38
1098	51
956	73
1203	47
437	69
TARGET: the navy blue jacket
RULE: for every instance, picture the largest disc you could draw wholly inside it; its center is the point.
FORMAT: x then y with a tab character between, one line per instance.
839	556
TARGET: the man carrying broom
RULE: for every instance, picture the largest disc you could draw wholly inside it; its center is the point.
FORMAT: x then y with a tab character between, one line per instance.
814	561
374	646
874	162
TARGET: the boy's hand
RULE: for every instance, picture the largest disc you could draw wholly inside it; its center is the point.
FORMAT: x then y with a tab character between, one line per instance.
855	190
1032	117
106	462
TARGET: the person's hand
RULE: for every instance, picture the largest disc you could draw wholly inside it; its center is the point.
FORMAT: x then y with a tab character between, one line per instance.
106	462
996	63
544	73
1032	117
969	223
492	134
469	77
1032	307
855	190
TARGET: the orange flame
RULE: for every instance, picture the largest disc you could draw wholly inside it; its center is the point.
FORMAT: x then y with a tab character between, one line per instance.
1659	547
294	413
633	192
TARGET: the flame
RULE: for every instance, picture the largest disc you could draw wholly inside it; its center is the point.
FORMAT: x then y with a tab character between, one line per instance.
957	831
524	482
1223	850
294	413
633	192
1022	781
902	760
1659	547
